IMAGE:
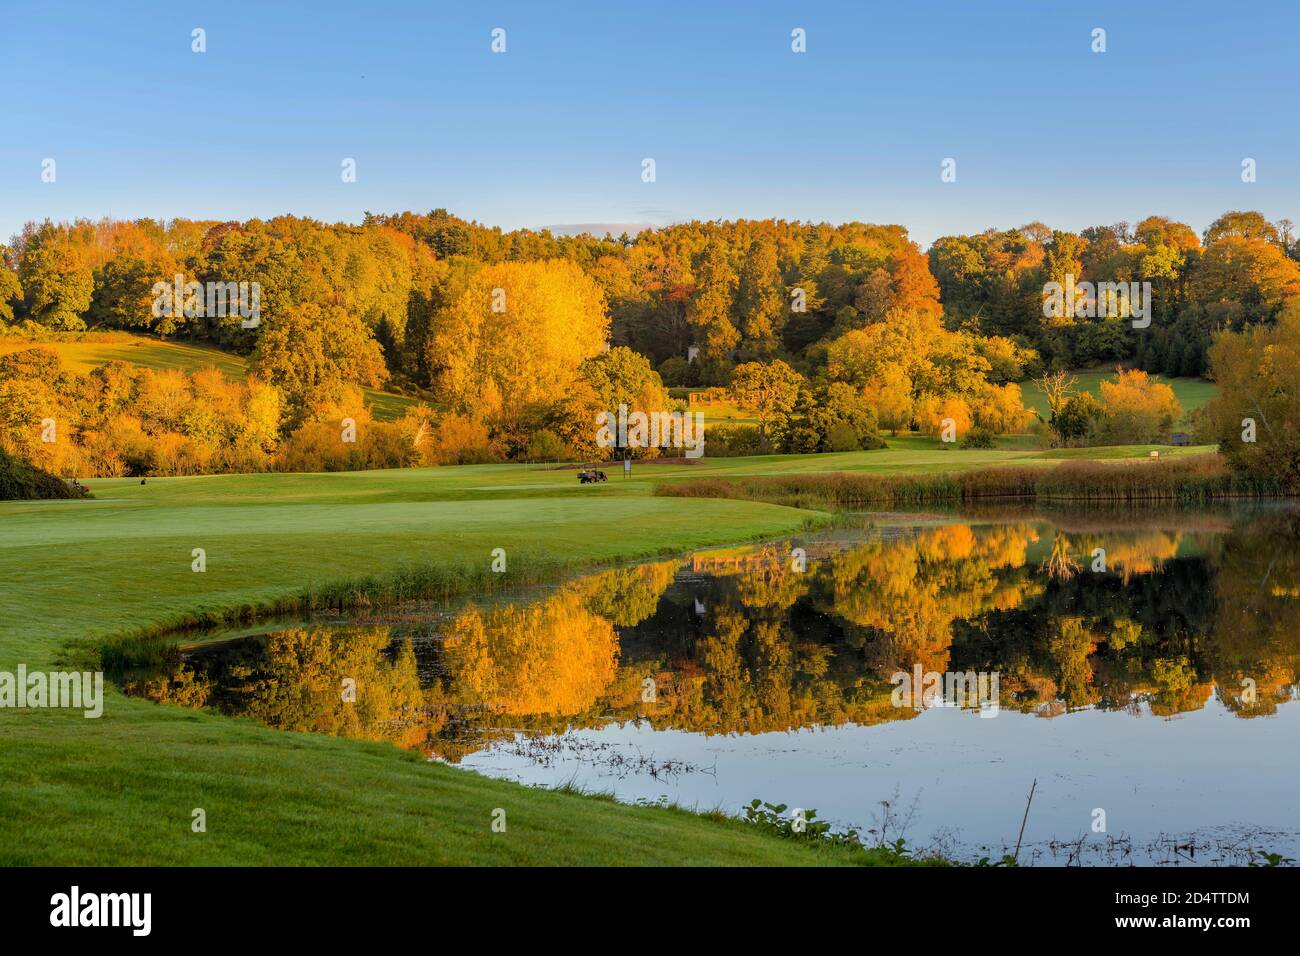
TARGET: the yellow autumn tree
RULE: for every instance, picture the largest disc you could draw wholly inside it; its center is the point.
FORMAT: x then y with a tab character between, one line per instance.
554	657
890	394
932	412
520	330
1254	417
1001	409
1137	410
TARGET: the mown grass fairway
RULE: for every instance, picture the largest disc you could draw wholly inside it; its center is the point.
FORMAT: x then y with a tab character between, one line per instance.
121	789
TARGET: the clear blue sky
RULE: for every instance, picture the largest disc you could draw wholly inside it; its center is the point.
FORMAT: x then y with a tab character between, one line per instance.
554	130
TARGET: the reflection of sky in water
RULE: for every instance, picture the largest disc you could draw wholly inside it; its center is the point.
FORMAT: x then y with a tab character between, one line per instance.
970	777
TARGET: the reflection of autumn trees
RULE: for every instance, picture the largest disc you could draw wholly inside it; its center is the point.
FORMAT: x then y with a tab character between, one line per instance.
627	596
756	646
749	675
302	686
173	684
770	582
1060	563
1138	553
779	649
905	593
554	657
1142	553
1069	649
1257	621
1156	630
294	680
1177	687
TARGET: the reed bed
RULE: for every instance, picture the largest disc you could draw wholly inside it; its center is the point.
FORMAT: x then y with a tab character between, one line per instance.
1185	481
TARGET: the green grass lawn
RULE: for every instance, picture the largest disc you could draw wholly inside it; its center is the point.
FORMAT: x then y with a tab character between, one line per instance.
95	349
120	789
1192	393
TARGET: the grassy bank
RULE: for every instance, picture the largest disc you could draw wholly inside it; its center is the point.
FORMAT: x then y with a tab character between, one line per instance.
1186	481
121	789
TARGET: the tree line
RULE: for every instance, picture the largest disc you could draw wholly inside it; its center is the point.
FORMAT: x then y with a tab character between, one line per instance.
492	328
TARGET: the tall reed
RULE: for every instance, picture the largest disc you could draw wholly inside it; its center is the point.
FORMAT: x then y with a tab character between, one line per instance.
1186	480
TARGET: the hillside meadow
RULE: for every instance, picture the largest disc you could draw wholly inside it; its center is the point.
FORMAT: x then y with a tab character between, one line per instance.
87	351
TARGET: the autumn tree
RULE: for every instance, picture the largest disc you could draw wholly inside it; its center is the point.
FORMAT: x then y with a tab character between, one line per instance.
623	377
1256	416
1251	272
832	416
769	389
1075	419
760	301
890	394
57	282
11	292
311	353
515	336
1136	409
709	311
1241	225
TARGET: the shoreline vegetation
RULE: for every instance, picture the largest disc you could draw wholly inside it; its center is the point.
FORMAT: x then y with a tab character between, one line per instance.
1191	480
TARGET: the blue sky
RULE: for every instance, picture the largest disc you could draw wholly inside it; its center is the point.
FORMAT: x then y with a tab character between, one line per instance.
554	130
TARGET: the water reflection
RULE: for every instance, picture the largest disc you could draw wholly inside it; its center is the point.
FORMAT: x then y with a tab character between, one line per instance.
1156	617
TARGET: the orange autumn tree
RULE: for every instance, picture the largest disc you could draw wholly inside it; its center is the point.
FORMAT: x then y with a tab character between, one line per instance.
125	419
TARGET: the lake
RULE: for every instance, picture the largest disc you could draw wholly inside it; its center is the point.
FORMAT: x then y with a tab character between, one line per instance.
909	676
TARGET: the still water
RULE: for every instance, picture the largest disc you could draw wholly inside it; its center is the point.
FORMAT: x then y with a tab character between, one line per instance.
1139	670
